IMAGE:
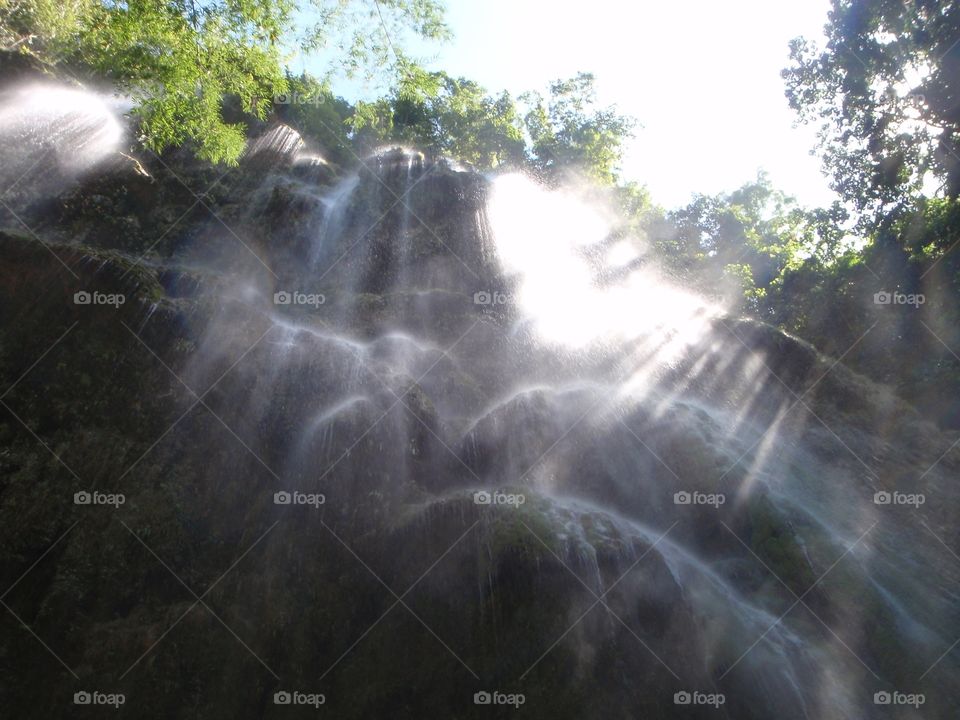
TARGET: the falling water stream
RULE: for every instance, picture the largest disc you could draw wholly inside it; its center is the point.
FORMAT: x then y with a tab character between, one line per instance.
52	133
489	334
601	399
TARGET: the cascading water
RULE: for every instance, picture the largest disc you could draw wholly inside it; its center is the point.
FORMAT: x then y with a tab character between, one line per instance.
597	489
599	401
52	133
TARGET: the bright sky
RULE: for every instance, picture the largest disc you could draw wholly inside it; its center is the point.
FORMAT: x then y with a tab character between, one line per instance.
701	76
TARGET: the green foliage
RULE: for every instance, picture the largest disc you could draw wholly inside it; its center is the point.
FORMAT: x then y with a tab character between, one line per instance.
884	88
444	115
309	106
457	117
772	539
366	37
179	59
636	209
371	123
47	25
568	132
483	130
932	231
738	244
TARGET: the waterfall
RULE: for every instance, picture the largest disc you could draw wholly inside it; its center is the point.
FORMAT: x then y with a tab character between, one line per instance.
602	394
656	497
53	133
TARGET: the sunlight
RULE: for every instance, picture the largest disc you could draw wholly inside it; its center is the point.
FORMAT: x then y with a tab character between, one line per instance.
554	242
279	140
78	125
393	153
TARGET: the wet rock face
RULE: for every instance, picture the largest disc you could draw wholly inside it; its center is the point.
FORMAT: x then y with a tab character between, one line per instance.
386	491
406	226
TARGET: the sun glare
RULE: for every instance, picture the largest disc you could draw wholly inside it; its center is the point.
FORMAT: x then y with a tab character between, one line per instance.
78	125
556	244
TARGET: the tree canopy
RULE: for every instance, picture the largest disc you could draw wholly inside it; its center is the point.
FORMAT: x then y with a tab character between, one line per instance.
568	131
179	59
553	136
886	90
444	115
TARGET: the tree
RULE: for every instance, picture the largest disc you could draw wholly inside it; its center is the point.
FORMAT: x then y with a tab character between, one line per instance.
741	244
569	133
481	129
444	115
368	36
309	106
47	23
886	91
457	117
179	59
886	88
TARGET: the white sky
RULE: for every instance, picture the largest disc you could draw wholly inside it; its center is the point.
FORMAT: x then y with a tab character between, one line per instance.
702	77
